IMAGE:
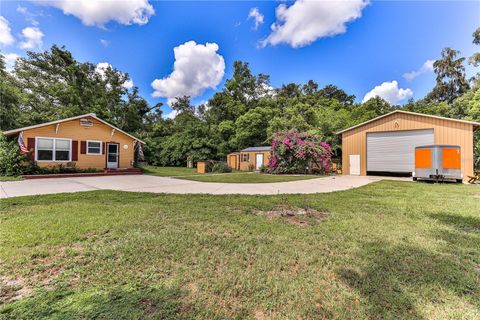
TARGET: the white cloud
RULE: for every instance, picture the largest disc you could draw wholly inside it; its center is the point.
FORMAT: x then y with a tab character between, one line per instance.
426	67
33	38
6	37
104	42
10	59
101	69
197	67
390	92
171	115
128	84
29	16
306	21
99	12
256	16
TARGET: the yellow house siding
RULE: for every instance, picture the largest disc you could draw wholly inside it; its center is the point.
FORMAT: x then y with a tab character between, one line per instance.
98	132
445	132
250	164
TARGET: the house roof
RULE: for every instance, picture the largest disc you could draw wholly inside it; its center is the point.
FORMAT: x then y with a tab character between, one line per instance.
264	148
15	131
475	124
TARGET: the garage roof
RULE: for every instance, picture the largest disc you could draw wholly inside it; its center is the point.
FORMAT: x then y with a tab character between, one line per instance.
475	124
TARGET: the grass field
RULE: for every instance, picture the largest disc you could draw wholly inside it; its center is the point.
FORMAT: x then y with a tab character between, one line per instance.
10	178
234	177
388	250
248	177
169	171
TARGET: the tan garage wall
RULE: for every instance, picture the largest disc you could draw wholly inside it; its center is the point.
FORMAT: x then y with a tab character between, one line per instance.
99	131
446	131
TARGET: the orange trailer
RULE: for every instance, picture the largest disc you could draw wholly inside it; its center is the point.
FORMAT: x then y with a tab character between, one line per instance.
438	163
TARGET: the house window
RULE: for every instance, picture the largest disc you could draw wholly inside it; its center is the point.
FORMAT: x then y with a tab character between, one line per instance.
94	147
52	149
245	157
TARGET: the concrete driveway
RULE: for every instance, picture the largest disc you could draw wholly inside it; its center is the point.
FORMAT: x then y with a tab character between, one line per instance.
145	183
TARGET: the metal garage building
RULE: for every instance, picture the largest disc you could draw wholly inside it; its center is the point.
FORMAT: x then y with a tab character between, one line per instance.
387	143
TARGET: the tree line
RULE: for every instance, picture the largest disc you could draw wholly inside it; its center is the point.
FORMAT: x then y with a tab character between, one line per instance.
247	111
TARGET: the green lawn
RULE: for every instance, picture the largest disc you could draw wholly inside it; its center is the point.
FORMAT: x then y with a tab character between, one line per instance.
248	177
169	171
389	250
10	178
234	177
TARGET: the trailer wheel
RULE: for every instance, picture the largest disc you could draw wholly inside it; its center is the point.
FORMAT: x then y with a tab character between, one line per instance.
459	181
414	178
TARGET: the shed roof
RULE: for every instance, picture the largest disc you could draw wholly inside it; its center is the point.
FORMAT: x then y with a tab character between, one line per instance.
14	131
475	124
264	148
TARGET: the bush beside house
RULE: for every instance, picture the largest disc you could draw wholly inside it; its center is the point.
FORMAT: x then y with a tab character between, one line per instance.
10	158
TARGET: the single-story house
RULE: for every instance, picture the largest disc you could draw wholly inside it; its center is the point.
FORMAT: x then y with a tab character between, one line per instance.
387	143
84	141
249	159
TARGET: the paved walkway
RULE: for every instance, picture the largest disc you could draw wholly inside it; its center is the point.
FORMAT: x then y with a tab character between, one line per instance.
145	183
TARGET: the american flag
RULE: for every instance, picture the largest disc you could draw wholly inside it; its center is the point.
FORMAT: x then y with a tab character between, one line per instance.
140	157
21	143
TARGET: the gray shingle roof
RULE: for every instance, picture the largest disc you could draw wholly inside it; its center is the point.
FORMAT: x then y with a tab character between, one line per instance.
264	148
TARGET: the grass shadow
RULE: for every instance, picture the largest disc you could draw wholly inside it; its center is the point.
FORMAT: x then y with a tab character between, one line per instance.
96	303
467	224
391	280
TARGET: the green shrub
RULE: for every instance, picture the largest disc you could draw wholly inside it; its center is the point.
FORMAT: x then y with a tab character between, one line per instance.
10	157
57	169
221	167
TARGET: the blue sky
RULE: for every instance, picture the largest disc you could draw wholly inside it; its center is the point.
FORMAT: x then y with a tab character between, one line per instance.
357	47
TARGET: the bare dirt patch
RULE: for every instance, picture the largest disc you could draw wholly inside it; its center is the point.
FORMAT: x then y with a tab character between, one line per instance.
13	289
294	215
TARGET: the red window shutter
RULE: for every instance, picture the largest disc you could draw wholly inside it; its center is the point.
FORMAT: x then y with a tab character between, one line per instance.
83	147
31	147
104	147
74	150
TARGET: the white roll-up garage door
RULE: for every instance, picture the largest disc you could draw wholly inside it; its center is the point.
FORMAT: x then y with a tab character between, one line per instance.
394	151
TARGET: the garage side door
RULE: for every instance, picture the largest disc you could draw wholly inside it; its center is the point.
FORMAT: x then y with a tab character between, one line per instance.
394	151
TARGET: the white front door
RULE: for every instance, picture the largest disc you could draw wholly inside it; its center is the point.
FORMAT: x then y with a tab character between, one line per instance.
112	156
258	161
354	161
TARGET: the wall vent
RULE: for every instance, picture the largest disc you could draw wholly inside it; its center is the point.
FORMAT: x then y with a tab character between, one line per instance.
86	123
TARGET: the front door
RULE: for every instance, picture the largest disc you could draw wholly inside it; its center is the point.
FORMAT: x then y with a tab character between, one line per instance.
258	161
354	162
233	162
112	156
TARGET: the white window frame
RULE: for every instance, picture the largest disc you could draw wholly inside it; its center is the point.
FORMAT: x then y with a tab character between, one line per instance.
95	154
53	150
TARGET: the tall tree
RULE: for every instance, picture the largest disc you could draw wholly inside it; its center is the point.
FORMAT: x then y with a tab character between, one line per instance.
239	95
451	81
10	99
475	58
55	86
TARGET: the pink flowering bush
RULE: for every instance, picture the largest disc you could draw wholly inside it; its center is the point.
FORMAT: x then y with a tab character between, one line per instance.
294	152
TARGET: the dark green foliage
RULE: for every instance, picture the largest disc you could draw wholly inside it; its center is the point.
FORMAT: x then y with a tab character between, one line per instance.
451	81
10	158
220	167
